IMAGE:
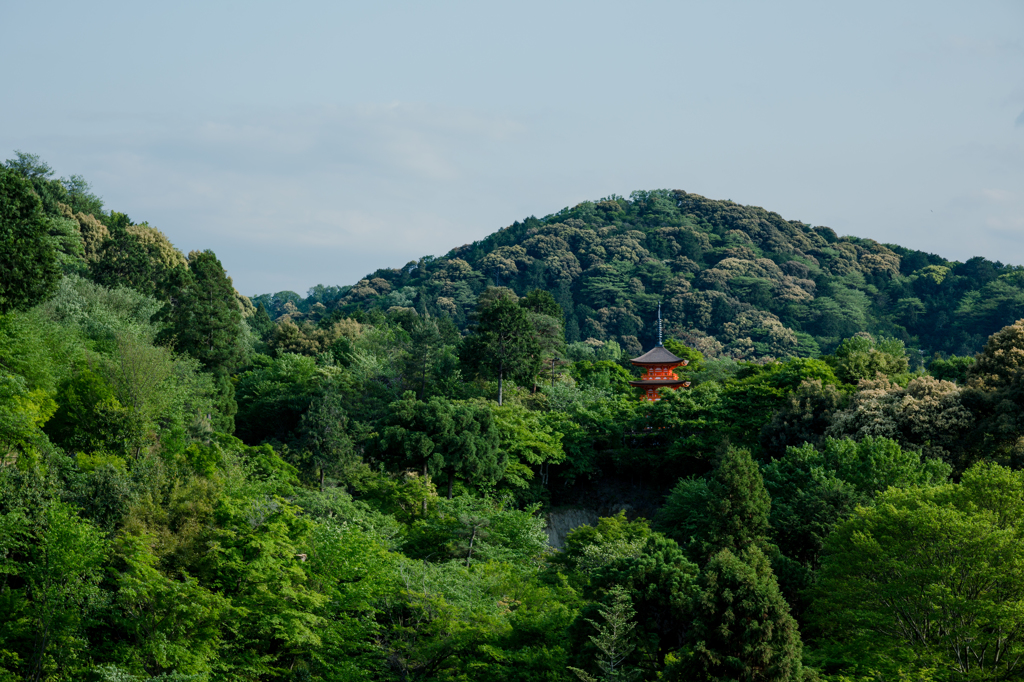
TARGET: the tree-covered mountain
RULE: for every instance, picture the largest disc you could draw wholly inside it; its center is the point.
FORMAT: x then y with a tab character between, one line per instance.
734	280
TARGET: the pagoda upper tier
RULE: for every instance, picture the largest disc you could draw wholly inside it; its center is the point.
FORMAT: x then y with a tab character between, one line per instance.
659	371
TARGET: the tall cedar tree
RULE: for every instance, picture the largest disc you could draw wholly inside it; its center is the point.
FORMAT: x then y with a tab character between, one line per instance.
29	271
742	628
204	320
503	344
739	503
324	437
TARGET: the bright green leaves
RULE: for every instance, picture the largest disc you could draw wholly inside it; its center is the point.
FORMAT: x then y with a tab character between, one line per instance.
528	440
862	357
928	578
51	590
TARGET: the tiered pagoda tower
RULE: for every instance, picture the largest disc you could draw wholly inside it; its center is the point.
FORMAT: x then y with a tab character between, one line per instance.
659	369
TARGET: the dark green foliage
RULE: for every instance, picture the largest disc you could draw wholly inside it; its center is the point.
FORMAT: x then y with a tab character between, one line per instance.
260	323
812	490
661	583
440	436
503	343
203	317
273	395
740	504
28	262
324	432
542	302
742	629
139	541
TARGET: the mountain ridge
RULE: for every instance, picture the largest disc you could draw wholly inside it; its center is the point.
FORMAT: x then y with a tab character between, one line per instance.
734	280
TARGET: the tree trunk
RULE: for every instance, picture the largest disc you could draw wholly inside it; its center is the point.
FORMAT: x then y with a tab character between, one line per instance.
470	554
501	378
424	480
451	484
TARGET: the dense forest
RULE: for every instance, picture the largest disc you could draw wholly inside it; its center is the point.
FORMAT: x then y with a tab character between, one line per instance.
736	281
442	473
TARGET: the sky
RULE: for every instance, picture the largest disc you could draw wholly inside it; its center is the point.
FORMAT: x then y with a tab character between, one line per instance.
315	142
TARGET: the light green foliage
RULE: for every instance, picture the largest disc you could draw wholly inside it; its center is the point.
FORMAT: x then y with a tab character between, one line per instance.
169	624
927	414
589	548
613	640
863	357
52	588
528	440
473	530
138	542
928	578
694	358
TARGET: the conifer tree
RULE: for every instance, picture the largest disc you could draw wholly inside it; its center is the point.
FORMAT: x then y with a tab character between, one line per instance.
504	344
734	507
742	627
204	320
614	639
29	271
324	436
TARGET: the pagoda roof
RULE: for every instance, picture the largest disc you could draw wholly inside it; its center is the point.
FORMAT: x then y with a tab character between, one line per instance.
658	383
659	355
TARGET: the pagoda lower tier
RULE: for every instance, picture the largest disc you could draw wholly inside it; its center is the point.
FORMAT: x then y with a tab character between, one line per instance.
651	386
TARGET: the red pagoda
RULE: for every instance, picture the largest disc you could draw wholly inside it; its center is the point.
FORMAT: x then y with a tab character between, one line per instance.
659	369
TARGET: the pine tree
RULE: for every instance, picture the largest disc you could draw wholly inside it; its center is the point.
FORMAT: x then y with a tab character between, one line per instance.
614	639
204	320
504	344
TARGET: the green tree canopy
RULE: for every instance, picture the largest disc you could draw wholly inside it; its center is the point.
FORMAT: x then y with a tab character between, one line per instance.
503	343
29	271
459	439
928	579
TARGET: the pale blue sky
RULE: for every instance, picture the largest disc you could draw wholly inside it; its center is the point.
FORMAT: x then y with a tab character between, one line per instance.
313	142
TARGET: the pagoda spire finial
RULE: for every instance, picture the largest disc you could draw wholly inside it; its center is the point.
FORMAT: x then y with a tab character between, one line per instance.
659	323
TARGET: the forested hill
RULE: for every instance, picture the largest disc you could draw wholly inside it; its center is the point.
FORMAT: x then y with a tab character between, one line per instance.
343	487
735	280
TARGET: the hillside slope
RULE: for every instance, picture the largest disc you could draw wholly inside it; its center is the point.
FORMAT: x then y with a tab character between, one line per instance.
734	280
